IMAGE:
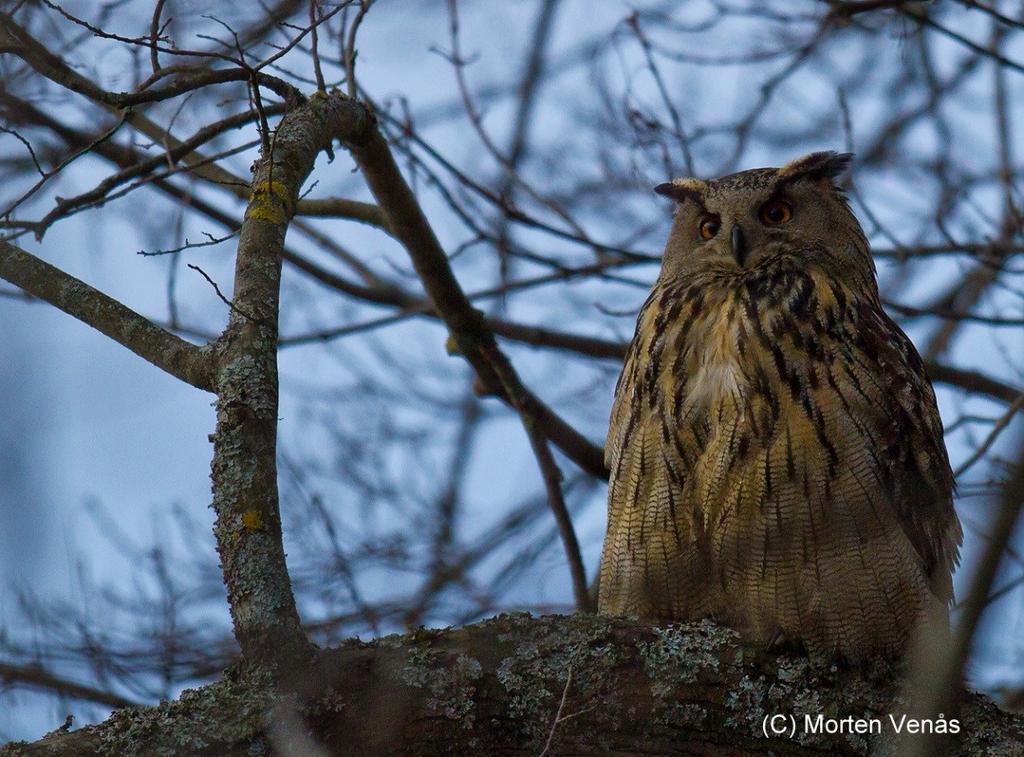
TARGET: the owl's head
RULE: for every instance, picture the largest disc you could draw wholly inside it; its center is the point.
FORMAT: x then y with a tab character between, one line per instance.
748	220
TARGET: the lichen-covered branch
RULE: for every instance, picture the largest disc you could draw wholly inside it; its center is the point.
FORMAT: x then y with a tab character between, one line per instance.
181	359
244	470
496	687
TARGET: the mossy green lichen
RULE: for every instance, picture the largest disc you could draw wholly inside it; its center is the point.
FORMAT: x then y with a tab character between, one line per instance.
498	685
224	713
684	653
554	656
451	688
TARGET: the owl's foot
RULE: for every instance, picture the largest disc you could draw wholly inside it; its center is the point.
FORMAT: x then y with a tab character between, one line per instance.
780	643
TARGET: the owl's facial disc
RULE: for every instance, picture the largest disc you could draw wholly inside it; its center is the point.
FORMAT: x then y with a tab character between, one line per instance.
747	222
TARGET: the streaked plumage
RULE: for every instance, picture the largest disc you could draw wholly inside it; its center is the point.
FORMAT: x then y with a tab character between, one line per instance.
776	455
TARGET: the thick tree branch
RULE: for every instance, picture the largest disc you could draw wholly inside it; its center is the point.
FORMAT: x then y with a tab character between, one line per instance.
163	349
496	687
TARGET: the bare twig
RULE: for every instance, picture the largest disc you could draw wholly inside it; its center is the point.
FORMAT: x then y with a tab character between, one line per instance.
997	428
558	712
17	40
154	35
234	308
314	22
350	48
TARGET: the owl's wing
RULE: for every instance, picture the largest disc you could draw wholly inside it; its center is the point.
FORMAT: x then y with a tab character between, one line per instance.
649	565
633	394
911	443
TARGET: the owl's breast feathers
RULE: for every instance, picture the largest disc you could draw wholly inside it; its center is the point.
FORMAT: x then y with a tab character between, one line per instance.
777	460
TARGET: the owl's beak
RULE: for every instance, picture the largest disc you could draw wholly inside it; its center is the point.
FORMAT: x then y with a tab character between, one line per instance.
739	245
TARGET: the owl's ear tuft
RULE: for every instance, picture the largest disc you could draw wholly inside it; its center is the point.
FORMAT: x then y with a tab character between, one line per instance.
828	164
682	190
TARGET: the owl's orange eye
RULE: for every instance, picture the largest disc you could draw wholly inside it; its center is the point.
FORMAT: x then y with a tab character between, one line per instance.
776	212
709	226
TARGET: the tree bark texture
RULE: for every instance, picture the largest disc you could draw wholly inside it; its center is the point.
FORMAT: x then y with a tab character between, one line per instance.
617	685
244	468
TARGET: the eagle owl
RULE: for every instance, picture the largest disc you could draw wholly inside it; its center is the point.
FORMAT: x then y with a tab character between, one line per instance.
776	454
